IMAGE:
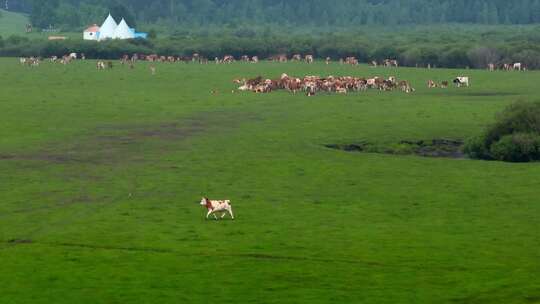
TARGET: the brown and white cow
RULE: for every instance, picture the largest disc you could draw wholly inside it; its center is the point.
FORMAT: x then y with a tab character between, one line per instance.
309	59
296	57
228	59
100	65
391	63
217	206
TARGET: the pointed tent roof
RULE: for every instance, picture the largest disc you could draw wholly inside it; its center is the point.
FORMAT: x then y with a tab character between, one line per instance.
108	28
122	31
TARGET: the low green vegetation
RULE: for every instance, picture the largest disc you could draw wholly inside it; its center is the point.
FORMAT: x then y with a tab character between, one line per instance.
101	173
515	136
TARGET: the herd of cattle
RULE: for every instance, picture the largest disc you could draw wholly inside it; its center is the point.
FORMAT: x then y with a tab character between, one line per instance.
312	85
198	58
35	61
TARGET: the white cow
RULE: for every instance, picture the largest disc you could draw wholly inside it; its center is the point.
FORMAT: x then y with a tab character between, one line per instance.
517	66
73	55
461	81
217	206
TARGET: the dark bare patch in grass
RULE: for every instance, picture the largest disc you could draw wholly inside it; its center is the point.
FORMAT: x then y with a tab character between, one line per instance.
121	143
19	241
448	148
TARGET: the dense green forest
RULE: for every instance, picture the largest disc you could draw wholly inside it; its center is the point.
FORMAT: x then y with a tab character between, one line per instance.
300	13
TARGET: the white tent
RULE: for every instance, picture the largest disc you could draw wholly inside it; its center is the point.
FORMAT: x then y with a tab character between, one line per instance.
123	31
107	29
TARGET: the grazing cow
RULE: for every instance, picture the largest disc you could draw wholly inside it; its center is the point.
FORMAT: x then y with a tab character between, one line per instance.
391	63
461	81
351	60
431	84
371	83
374	63
31	61
406	87
217	206
328	60
73	55
309	58
311	88
341	90
517	66
491	67
296	57
282	58
255	59
444	84
100	65
228	59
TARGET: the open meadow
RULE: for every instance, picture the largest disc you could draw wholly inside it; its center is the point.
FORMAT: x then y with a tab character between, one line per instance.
101	174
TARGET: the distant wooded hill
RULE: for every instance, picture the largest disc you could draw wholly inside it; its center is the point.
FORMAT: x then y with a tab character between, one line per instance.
301	13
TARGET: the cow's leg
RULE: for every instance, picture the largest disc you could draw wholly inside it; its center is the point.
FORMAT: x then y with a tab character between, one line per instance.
214	214
230	212
208	214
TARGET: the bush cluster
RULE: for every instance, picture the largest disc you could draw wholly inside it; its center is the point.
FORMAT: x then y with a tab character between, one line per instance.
514	137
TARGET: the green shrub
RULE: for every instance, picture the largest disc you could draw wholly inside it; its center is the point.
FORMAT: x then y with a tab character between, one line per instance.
514	137
519	147
476	147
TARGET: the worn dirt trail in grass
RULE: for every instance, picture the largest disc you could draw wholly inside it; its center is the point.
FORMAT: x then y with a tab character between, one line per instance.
116	144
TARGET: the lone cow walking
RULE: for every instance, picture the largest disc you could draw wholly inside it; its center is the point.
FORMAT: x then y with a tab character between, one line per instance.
217	206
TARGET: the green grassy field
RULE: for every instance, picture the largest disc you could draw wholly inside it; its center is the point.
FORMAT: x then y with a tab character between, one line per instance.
101	174
12	23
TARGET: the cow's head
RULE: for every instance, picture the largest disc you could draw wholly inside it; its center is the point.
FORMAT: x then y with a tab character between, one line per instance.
204	201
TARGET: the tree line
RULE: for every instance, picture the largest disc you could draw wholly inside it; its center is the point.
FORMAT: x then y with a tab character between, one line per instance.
298	13
451	47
